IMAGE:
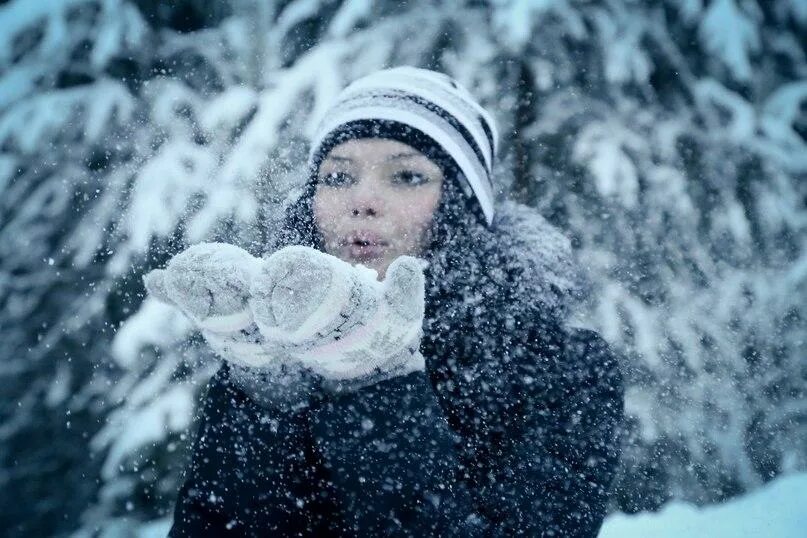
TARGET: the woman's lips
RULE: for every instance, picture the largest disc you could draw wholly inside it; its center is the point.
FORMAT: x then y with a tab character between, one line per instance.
366	252
364	245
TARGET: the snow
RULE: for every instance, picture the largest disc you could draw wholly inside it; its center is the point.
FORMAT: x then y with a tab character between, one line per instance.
777	120
350	15
624	61
296	13
154	324
731	35
126	29
604	147
715	100
777	510
7	168
136	428
16	83
224	112
45	115
798	9
646	180
20	14
517	17
164	188
514	20
155	529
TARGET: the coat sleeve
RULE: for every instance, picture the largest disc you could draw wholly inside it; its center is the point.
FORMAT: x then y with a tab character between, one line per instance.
252	471
392	462
552	478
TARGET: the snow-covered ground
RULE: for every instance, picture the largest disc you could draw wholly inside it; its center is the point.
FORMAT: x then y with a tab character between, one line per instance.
777	510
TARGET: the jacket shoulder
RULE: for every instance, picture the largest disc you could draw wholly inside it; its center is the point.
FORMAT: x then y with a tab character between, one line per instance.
588	349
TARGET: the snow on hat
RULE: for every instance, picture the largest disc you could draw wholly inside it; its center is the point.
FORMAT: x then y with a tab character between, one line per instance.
425	109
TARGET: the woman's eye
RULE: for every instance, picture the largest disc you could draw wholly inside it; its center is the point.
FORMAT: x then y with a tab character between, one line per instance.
336	179
408	177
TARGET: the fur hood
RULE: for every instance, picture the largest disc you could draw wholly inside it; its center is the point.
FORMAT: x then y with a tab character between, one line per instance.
535	252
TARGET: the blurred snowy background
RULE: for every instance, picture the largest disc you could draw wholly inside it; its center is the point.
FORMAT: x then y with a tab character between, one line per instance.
667	138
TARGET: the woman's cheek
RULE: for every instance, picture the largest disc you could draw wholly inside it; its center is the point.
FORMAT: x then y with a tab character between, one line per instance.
410	239
325	217
424	220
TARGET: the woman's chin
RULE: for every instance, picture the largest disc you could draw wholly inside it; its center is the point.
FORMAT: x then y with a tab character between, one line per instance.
378	263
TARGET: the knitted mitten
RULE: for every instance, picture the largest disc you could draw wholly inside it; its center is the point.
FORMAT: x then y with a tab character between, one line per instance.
209	283
339	320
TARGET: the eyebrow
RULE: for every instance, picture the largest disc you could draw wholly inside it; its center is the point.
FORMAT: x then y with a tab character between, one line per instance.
390	158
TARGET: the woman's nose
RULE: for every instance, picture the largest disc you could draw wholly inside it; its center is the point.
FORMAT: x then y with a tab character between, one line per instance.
366	201
368	211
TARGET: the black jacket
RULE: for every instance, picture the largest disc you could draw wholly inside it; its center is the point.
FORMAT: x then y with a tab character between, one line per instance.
385	460
512	429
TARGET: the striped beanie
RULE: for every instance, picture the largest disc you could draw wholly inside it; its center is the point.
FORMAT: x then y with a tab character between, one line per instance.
425	109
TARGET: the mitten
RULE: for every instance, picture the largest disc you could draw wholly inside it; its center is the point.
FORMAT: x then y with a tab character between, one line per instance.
338	319
209	283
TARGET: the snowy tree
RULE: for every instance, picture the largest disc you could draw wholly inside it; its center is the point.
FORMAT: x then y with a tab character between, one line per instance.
666	138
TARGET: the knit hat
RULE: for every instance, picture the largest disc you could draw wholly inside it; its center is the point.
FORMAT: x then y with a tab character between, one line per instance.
425	109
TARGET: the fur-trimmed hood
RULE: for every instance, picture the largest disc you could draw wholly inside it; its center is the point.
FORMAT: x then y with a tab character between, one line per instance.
540	249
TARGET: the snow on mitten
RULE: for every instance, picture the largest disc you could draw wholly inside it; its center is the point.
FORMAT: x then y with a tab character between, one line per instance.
209	283
338	319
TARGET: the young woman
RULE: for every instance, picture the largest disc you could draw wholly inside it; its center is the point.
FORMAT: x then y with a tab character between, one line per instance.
509	423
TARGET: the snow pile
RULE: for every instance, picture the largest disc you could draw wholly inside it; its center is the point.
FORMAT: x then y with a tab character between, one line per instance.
777	510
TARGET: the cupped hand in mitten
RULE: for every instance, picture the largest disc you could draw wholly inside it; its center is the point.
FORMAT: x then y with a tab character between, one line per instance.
338	319
209	283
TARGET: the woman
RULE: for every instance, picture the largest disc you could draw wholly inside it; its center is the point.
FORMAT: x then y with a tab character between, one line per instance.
510	427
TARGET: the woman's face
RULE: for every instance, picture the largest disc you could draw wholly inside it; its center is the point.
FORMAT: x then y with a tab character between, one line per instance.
374	201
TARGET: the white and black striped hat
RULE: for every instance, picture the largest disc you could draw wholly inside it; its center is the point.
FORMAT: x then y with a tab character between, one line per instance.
426	109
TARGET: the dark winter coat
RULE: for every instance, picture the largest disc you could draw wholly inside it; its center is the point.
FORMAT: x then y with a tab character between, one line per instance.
513	429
